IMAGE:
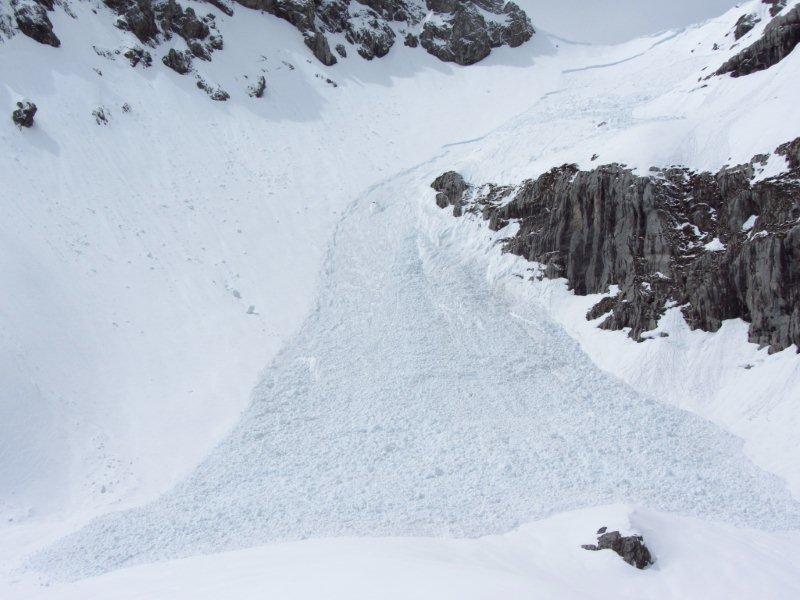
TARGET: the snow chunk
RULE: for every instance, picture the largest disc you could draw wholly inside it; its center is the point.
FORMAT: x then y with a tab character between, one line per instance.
715	245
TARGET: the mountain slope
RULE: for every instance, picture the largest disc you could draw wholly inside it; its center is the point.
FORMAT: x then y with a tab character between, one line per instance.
162	255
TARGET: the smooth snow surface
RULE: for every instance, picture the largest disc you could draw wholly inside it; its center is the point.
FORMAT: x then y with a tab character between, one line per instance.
416	402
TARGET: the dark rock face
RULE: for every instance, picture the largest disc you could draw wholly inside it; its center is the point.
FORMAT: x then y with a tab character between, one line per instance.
138	56
32	20
318	44
137	17
459	31
180	62
791	152
777	6
24	113
719	245
745	25
631	548
466	37
450	187
780	37
258	88
152	21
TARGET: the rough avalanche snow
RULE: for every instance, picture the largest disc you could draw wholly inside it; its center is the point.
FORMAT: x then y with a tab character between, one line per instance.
416	402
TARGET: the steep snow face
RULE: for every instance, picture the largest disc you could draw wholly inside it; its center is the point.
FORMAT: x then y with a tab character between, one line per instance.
156	261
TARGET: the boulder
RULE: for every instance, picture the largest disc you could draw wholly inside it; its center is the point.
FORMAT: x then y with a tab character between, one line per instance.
32	20
631	548
24	114
180	62
258	88
318	44
745	25
138	56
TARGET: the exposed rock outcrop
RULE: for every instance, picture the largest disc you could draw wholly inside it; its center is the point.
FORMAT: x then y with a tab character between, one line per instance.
631	548
450	188
257	89
776	6
24	114
152	21
32	20
720	246
318	44
216	93
461	31
465	35
780	37
138	56
180	62
745	25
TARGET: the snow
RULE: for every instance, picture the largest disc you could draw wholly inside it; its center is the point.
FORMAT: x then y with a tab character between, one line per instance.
236	324
129	355
694	559
749	223
715	245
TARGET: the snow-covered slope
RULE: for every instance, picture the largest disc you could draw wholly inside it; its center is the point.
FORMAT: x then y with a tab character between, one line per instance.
695	559
135	250
413	385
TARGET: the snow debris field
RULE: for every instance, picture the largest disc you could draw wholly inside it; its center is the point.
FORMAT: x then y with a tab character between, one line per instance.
415	402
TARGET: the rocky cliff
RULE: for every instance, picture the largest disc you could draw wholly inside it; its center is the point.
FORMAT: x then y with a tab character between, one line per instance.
459	31
720	246
780	37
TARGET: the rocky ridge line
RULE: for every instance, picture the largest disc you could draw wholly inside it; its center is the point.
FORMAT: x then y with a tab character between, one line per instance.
459	31
780	37
720	246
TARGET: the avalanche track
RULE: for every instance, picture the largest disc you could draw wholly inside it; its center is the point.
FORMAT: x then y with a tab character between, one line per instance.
416	401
